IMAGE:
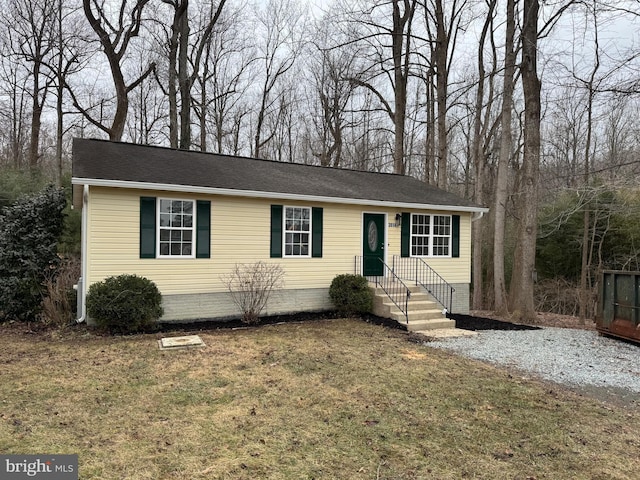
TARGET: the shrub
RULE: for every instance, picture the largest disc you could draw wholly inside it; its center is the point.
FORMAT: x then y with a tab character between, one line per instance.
250	286
29	233
16	183
59	306
124	304
351	294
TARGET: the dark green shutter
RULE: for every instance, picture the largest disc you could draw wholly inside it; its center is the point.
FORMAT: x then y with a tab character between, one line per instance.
455	236
276	231
405	234
147	227
316	233
203	229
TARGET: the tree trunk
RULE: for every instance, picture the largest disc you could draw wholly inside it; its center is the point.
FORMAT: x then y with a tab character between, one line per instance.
184	82
479	161
60	93
257	144
586	246
441	55
521	293
36	119
174	44
430	141
506	146
401	47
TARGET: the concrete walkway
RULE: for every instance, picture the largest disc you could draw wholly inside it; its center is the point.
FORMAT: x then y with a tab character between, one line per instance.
441	333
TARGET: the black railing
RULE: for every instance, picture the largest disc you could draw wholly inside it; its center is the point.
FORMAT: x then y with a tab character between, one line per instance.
391	284
417	270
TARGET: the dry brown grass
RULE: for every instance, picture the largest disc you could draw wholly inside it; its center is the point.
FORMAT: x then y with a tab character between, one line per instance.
326	400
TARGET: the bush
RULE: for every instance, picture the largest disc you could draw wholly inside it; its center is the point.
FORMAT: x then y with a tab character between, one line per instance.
124	304
351	294
250	286
29	234
59	306
16	183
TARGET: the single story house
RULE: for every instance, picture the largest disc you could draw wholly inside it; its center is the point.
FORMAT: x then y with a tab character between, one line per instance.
184	219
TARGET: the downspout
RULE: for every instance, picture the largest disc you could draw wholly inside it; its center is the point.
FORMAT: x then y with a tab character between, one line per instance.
477	216
81	288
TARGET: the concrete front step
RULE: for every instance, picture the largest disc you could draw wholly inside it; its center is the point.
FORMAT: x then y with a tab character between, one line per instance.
424	313
422	325
415	306
414	289
444	333
415	315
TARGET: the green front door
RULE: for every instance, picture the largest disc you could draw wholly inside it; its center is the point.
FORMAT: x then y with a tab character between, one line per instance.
373	244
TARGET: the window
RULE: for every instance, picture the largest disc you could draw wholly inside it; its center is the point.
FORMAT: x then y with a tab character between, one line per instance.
172	228
430	235
297	230
175	228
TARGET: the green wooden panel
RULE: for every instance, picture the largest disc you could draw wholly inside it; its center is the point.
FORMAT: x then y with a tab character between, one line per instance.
147	227
405	235
276	231
316	234
203	229
455	236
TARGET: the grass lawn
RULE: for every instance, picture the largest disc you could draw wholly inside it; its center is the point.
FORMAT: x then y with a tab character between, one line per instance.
318	400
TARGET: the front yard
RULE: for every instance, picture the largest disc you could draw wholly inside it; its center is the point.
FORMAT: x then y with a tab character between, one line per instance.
329	399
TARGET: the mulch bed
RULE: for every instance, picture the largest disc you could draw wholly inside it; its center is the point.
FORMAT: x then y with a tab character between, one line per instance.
470	322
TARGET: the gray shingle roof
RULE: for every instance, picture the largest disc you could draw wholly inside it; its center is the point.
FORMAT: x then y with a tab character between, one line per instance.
97	161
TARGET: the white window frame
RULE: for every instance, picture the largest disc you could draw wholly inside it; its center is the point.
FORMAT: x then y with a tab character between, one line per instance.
286	231
431	237
171	229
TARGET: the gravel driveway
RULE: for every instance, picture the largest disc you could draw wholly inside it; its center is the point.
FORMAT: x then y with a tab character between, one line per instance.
603	367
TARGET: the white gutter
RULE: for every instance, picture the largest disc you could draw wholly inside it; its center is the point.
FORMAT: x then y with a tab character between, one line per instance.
272	195
82	290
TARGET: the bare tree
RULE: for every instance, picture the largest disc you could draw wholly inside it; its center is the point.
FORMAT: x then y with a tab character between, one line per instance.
442	46
330	71
68	38
115	36
13	113
146	122
281	24
221	88
31	27
483	129
390	48
590	85
181	59
521	291
506	147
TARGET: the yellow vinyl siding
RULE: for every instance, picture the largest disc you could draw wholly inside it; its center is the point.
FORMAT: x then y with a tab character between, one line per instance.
240	233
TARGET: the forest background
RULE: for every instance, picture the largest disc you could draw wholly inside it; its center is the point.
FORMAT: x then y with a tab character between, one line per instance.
529	109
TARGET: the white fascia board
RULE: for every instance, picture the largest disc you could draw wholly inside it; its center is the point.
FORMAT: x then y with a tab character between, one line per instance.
269	195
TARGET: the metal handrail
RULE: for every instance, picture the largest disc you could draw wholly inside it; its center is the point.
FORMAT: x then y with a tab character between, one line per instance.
391	284
419	271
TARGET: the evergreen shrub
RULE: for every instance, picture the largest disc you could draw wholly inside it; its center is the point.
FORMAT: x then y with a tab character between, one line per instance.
29	234
351	294
124	304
